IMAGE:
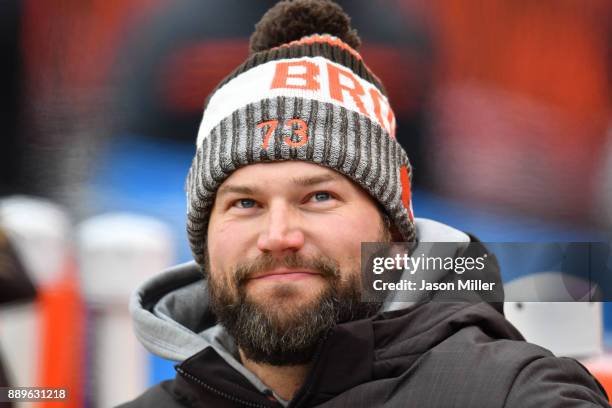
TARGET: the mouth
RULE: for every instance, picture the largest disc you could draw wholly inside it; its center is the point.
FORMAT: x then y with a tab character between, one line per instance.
285	274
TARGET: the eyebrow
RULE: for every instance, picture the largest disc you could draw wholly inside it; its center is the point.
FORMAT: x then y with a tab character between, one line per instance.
300	181
310	181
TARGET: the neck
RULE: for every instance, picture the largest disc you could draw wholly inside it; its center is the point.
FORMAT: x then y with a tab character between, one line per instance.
284	381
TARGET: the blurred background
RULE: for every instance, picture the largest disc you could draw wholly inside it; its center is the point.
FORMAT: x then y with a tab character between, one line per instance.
504	108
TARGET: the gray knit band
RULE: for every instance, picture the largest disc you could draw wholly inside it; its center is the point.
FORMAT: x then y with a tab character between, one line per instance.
344	140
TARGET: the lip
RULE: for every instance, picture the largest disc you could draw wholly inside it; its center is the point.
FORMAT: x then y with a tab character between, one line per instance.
285	274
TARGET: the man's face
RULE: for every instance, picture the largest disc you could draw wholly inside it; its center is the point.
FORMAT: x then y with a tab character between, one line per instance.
284	243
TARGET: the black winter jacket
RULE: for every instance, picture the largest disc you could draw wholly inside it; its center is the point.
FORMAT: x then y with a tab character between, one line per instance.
431	354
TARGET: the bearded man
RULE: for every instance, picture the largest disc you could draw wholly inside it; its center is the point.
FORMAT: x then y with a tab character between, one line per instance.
296	165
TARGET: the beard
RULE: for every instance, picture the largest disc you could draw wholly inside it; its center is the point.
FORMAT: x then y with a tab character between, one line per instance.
271	332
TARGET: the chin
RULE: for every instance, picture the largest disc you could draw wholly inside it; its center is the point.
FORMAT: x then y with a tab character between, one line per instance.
285	292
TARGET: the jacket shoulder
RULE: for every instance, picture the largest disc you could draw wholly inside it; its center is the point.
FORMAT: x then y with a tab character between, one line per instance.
561	380
522	374
159	395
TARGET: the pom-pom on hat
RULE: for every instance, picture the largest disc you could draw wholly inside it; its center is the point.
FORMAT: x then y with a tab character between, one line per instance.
304	93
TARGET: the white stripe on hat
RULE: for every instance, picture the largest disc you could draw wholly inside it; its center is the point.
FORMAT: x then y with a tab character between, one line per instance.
309	77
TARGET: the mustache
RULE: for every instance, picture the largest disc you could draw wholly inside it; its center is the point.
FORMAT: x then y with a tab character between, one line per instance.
327	267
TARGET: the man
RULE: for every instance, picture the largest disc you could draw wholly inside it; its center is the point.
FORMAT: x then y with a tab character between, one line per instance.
296	166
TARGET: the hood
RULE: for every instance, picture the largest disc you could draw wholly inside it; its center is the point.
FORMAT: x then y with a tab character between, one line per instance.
171	311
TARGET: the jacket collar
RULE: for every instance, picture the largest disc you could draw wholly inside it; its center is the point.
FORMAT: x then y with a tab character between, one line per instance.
335	368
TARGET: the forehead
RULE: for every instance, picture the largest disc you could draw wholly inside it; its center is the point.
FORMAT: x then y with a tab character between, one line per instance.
287	172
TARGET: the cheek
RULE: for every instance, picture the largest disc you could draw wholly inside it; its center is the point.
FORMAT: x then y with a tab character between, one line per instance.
341	238
219	250
220	262
227	246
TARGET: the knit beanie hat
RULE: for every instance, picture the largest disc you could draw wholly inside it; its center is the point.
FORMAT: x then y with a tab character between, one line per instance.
304	93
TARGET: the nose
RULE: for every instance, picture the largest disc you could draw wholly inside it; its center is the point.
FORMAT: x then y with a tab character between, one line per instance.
281	231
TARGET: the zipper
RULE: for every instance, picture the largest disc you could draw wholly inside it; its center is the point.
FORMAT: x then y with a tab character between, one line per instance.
299	401
218	392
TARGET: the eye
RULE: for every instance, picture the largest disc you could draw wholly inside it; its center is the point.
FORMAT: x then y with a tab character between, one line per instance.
322	196
244	203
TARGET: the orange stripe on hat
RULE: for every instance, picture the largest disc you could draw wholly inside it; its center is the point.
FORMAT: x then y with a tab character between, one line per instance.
406	195
322	39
